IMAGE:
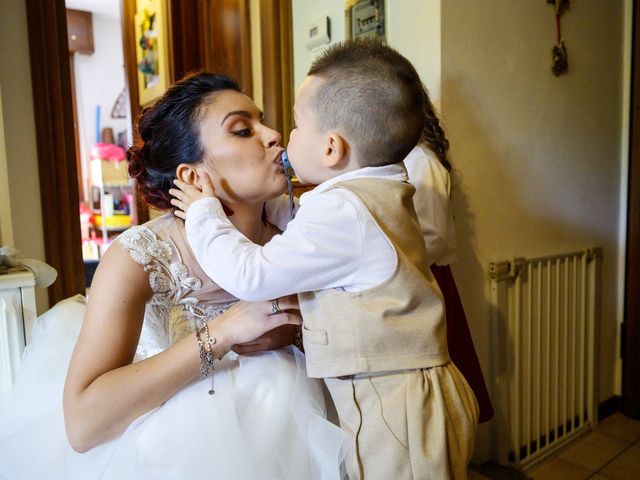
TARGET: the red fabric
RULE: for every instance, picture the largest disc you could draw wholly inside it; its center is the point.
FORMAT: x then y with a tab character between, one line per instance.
461	349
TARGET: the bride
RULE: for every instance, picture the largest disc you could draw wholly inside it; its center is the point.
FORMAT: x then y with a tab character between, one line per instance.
155	388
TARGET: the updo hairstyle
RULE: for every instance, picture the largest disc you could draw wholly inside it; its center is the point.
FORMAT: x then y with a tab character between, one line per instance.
169	134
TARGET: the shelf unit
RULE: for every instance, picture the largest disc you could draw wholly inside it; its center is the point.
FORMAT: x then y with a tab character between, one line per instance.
109	178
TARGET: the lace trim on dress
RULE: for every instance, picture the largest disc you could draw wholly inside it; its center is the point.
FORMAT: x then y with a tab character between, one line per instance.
170	281
172	310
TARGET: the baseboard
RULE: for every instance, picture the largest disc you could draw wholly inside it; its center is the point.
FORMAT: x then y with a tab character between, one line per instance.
609	407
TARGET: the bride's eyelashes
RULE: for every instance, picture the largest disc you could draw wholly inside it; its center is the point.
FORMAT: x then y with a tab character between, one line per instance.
245	132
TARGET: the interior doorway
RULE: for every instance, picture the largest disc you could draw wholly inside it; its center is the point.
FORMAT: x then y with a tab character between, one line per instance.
102	125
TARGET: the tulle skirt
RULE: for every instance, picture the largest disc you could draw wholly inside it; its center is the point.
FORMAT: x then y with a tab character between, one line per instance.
267	420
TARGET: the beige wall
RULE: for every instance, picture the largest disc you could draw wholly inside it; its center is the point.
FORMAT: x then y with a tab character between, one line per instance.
538	156
22	226
6	226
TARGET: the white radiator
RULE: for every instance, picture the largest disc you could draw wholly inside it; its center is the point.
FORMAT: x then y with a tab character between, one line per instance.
543	352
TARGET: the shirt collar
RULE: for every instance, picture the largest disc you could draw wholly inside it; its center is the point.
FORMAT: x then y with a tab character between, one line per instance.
394	171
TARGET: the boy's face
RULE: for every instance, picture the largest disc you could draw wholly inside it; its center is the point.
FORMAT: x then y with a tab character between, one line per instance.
306	142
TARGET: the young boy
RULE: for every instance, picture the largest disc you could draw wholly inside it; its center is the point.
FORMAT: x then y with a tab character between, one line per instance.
373	318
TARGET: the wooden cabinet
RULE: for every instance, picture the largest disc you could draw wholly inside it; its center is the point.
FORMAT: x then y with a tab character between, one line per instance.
17	319
79	31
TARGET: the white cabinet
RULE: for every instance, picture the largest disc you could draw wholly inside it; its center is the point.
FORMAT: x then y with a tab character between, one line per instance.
17	319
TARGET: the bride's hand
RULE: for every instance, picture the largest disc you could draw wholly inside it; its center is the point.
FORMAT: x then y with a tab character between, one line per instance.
278	337
245	322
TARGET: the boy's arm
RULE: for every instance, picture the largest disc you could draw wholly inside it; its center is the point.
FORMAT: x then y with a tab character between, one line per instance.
321	248
278	209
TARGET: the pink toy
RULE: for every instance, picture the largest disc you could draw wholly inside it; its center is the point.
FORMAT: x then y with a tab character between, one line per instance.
107	151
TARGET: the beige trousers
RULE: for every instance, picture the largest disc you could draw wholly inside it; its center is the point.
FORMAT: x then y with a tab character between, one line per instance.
418	424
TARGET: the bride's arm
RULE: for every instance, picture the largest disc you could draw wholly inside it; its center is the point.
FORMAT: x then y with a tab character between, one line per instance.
104	391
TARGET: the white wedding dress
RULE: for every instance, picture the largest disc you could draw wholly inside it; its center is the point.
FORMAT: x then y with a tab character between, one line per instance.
266	420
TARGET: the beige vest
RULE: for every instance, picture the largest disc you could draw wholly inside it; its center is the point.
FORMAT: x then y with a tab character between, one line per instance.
397	325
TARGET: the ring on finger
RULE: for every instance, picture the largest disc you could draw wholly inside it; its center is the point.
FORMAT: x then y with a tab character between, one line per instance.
275	307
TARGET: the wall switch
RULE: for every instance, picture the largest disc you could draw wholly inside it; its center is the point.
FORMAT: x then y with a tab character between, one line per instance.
318	33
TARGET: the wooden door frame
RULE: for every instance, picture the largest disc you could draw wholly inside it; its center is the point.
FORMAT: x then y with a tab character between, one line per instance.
277	64
53	112
631	328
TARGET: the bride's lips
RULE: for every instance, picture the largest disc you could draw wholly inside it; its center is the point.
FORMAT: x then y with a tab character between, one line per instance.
278	161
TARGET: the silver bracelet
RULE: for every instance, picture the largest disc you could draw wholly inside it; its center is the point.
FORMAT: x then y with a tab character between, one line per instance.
206	353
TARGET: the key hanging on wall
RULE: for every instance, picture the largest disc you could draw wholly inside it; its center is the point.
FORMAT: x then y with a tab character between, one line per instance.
559	57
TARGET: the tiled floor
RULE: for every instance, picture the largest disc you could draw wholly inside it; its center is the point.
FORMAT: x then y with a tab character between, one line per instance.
611	452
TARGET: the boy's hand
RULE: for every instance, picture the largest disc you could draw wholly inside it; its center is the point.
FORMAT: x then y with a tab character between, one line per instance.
186	194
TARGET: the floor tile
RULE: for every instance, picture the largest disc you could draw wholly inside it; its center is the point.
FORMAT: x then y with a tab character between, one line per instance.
624	467
599	476
593	451
558	469
619	426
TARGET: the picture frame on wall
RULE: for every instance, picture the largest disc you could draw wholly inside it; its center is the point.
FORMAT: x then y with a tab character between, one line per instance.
151	50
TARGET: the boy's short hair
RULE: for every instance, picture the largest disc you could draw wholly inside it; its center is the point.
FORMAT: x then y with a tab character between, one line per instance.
373	95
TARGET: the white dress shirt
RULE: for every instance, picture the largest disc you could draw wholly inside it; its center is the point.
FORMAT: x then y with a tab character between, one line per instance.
333	242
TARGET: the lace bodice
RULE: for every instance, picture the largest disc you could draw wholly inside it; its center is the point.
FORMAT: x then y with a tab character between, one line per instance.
182	294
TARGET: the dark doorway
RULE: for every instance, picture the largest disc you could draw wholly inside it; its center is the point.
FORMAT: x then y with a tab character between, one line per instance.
631	326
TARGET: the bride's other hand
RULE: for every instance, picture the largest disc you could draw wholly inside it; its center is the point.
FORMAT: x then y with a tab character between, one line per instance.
186	194
277	338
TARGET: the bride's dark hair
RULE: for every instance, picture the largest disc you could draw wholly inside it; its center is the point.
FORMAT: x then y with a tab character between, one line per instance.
169	135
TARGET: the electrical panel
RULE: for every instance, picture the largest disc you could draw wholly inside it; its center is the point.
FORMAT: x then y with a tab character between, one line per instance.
364	18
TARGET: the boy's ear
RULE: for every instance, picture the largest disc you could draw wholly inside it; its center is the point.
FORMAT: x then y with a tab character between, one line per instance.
336	151
188	174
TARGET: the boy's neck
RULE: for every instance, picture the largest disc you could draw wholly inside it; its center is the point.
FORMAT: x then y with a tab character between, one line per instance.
335	172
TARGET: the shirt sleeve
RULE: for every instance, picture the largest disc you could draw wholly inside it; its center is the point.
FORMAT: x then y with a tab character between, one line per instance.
431	202
321	248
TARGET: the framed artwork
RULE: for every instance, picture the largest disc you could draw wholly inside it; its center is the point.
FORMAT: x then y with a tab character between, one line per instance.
151	49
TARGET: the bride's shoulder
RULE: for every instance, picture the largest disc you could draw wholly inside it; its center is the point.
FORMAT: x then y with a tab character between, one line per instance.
151	241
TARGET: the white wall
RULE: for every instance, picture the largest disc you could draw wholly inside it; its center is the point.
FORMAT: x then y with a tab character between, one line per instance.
99	79
304	12
22	224
413	28
538	156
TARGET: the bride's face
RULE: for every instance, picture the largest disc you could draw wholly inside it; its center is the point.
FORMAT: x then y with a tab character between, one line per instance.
241	155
